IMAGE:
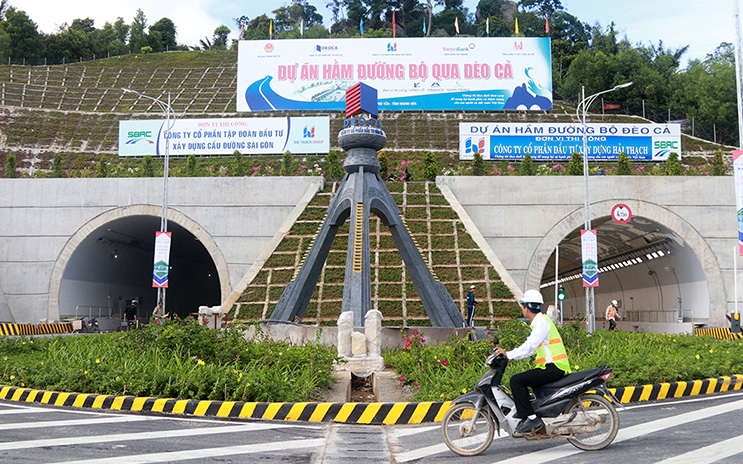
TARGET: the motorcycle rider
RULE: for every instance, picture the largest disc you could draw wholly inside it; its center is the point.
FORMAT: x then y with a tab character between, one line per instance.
552	360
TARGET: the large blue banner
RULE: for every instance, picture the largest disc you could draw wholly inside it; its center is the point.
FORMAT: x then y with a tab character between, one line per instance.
454	73
558	141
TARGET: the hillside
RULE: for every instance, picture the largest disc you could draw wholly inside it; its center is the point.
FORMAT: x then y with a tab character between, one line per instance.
74	110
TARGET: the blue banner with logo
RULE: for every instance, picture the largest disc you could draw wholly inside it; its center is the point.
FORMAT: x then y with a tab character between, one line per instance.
249	136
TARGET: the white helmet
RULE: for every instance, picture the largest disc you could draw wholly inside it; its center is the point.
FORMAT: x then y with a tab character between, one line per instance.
614	302
532	299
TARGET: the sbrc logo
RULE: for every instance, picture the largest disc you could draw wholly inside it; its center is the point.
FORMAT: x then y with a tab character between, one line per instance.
138	136
392	47
474	145
308	132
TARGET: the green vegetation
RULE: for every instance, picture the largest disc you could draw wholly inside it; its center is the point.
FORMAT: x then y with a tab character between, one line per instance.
180	359
444	371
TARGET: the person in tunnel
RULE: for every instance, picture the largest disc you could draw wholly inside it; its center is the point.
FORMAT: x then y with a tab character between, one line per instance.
612	313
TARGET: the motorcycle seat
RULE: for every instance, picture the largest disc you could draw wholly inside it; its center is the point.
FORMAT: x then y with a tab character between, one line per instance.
572	378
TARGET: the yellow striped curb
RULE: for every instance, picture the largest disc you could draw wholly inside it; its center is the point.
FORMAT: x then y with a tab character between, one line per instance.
347	413
717	332
35	329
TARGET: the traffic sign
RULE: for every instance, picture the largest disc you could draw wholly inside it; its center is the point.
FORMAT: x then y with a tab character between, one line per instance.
621	213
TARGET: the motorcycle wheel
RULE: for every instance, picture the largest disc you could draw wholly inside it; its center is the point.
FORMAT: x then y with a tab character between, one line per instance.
606	433
467	442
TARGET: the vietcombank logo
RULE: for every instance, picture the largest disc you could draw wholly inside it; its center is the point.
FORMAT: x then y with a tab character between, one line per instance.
135	137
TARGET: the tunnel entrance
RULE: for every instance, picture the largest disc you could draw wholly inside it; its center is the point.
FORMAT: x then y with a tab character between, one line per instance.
651	271
113	265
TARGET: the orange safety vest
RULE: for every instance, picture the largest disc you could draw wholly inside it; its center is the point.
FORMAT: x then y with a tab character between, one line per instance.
611	314
557	350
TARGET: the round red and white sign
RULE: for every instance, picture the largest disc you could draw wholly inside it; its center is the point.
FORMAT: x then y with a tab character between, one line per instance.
621	214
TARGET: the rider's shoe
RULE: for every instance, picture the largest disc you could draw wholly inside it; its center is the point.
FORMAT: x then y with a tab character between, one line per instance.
530	426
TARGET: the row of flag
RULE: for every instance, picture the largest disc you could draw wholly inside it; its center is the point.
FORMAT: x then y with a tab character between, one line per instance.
394	26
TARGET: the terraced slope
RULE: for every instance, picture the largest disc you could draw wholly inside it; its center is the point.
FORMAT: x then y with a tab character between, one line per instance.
454	257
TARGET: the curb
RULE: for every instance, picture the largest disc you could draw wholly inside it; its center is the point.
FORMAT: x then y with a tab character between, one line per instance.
35	329
345	413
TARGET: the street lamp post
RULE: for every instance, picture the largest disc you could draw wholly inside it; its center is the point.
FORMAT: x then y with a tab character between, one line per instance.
584	104
169	123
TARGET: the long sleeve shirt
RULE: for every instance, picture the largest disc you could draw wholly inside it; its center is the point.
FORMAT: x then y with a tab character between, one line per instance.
540	331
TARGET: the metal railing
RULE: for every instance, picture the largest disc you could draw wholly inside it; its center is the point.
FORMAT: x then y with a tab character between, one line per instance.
89	311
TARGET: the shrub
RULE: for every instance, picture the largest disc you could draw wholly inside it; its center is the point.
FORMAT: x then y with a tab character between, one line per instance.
334	169
623	168
286	164
191	165
673	164
575	167
147	169
10	167
102	168
57	166
238	164
430	167
718	164
527	166
478	165
384	165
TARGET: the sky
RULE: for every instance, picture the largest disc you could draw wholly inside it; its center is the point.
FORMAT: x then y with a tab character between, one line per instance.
701	24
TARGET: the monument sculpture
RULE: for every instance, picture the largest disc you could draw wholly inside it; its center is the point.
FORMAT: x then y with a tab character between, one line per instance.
362	192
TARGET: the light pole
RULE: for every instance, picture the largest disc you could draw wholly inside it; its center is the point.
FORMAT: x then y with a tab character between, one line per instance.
584	104
169	123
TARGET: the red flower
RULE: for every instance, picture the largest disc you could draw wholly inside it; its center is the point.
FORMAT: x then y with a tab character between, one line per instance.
444	362
401	378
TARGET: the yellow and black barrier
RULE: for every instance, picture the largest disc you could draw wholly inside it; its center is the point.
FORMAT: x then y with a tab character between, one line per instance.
35	329
348	413
720	333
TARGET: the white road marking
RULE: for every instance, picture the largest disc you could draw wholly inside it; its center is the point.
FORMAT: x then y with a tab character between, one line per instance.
206	453
74	422
709	454
140	436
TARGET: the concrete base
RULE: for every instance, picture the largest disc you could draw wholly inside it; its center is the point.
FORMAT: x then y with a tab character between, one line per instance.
650	327
341	392
387	389
361	366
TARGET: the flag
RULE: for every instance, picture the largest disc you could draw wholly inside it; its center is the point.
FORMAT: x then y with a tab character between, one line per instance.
270	30
456	24
394	26
424	26
611	106
517	26
301	28
361	26
487	26
546	26
330	25
242	28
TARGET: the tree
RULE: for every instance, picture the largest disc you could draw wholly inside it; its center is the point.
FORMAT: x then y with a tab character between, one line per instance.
162	35
57	166
673	164
137	35
219	41
25	40
478	165
718	165
623	168
575	166
10	167
430	167
527	166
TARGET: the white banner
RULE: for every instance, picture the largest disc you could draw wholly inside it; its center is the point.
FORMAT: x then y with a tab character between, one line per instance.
249	136
558	141
452	73
589	250
738	175
162	260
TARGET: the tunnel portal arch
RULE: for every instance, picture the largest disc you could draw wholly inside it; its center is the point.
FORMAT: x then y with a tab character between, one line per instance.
150	214
669	221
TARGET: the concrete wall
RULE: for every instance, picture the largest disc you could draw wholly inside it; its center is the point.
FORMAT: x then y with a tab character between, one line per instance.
523	219
43	220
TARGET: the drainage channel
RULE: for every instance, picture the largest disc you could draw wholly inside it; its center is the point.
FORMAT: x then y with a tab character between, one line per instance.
362	389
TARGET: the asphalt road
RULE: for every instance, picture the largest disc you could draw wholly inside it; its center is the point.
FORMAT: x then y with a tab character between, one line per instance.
698	430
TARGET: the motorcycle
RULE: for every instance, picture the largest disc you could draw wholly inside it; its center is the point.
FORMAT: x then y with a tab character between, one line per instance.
574	407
